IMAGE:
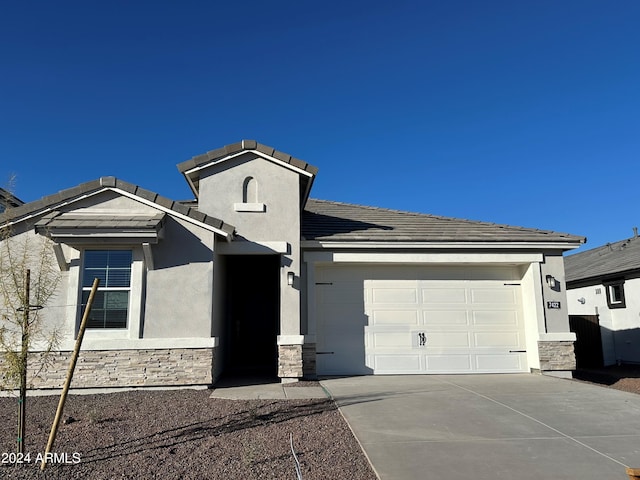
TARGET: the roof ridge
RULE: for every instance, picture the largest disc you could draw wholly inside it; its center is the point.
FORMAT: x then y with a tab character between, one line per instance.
442	217
244	145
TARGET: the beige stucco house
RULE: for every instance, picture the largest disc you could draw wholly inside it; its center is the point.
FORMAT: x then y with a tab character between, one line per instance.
254	276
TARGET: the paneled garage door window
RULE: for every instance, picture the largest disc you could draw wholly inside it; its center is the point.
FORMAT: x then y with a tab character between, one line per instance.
111	304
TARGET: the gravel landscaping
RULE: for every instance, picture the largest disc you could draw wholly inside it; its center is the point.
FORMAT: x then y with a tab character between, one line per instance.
183	434
623	377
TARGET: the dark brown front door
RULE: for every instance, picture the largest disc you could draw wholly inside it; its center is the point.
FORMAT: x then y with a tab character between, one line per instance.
588	340
253	308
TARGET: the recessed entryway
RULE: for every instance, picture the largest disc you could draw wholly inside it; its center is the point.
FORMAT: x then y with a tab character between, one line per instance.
252	314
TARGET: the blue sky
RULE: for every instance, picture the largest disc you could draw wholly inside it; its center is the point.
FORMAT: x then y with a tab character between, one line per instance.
518	112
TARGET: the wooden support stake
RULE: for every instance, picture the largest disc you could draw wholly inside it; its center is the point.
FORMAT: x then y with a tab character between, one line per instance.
72	367
24	354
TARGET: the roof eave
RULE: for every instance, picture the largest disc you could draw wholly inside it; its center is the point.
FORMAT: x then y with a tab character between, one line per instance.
409	245
89	189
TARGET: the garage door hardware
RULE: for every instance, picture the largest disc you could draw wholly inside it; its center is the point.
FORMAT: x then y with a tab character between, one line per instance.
324	353
512	284
324	283
517	351
422	339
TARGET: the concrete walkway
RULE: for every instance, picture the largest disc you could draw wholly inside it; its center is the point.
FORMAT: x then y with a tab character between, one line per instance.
261	390
488	427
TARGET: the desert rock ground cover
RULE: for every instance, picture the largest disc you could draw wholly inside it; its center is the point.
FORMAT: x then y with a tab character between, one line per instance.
183	434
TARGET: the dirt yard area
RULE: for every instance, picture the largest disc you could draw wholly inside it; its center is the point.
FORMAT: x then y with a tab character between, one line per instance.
182	434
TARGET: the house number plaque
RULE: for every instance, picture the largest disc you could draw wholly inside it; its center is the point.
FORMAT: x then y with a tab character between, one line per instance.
553	304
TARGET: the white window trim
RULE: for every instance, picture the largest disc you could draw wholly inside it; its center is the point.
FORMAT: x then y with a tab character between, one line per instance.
136	289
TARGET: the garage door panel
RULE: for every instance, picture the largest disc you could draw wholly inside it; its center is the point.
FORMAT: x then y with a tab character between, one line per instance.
394	317
394	364
392	340
448	363
494	296
453	295
448	339
395	296
497	339
436	318
505	363
503	318
470	318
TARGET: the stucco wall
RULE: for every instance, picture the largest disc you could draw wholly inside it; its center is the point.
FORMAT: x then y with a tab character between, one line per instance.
38	249
173	300
221	189
179	289
557	319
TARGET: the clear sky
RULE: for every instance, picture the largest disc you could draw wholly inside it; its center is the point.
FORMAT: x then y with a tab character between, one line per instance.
521	112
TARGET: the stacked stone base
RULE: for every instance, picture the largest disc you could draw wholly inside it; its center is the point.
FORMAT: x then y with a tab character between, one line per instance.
290	361
309	360
125	368
557	356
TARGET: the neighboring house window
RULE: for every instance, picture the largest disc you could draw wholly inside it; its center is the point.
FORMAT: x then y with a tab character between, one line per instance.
111	304
615	294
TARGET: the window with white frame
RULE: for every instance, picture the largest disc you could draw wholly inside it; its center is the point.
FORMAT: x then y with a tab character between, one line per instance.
111	304
615	294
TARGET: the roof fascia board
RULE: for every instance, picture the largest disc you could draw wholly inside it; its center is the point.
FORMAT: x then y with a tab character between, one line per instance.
602	278
144	201
411	257
243	152
173	213
435	245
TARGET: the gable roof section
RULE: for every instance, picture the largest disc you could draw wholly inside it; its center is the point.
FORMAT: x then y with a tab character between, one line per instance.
608	260
191	168
8	200
53	202
325	221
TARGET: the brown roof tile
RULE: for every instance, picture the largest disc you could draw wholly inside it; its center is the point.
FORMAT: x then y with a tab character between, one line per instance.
605	261
334	221
50	202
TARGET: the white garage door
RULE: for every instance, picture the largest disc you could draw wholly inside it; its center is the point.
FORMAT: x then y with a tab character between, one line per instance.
405	319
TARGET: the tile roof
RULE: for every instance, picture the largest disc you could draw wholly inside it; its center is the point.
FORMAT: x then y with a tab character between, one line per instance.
75	221
7	199
244	145
51	202
608	260
212	156
334	221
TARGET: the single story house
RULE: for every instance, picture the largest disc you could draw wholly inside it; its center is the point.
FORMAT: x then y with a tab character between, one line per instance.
603	291
254	276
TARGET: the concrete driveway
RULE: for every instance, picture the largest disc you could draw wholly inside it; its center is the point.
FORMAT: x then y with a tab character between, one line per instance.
491	426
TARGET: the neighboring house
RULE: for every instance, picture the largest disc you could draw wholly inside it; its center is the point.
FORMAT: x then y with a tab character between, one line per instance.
603	288
7	200
255	277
